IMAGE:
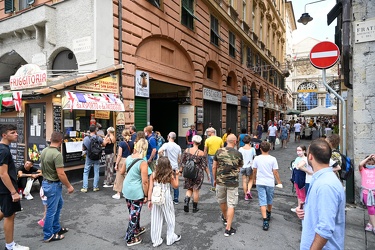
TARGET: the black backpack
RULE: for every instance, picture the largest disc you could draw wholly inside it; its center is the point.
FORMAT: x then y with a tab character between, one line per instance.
95	151
347	166
190	171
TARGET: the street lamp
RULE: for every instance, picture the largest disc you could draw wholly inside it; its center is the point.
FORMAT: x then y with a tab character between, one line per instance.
305	18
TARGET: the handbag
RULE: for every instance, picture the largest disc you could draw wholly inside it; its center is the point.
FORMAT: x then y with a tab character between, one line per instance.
190	171
277	142
158	195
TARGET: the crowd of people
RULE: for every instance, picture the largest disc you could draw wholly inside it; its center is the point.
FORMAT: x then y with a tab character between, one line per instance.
148	170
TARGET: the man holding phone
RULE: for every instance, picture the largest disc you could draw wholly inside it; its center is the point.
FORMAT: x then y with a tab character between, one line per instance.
324	211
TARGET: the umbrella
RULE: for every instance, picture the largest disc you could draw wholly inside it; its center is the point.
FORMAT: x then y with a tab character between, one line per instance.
293	112
319	111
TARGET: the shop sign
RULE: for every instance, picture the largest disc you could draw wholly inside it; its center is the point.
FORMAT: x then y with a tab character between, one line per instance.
92	101
82	44
107	84
232	99
142	83
364	31
260	104
120	119
100	114
212	95
28	76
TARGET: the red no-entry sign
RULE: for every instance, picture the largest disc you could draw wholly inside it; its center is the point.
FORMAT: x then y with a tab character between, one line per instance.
324	55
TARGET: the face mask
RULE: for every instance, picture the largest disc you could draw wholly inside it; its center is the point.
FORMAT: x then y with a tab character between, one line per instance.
370	166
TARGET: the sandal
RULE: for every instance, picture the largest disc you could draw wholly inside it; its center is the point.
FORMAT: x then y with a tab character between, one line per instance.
134	241
140	231
63	230
55	237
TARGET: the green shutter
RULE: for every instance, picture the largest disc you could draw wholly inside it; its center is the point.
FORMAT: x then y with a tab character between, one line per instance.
9	6
140	113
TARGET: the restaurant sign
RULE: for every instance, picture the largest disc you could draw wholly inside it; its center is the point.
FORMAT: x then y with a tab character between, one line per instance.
91	101
28	76
103	85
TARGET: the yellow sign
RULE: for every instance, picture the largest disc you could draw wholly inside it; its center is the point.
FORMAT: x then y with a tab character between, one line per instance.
307	90
101	114
120	119
104	85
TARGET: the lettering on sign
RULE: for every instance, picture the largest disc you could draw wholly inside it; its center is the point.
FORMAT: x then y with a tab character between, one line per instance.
142	83
103	85
29	81
232	99
101	114
212	95
82	44
57	118
365	31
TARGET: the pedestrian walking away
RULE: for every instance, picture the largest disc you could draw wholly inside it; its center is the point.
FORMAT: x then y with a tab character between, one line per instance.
265	169
109	143
9	197
248	154
323	213
226	168
163	177
193	186
211	145
52	165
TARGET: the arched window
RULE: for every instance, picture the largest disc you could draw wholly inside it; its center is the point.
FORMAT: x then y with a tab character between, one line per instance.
307	96
64	62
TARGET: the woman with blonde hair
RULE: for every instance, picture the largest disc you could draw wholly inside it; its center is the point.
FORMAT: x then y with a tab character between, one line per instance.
124	150
108	143
164	177
193	185
142	144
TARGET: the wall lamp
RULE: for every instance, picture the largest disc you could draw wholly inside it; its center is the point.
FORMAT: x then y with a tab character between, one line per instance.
58	95
305	18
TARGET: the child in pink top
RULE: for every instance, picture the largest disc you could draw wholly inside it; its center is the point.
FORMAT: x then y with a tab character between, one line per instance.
367	170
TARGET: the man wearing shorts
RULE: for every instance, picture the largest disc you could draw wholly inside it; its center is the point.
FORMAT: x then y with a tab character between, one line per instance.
265	169
9	198
272	134
297	131
226	167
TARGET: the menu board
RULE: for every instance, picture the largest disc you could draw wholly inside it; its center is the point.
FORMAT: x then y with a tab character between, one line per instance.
20	129
17	149
20	156
57	118
119	129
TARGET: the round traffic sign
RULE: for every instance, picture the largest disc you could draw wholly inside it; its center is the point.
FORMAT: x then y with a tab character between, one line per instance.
324	55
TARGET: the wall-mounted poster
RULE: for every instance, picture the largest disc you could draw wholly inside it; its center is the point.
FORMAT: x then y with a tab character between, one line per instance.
142	83
199	115
185	122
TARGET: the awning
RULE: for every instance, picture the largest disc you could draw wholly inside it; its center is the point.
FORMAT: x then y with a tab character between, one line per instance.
74	100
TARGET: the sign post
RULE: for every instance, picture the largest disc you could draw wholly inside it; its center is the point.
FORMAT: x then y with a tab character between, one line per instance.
323	56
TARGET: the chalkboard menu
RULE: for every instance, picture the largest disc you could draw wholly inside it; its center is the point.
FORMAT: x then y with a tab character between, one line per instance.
20	156
57	118
119	129
20	130
17	149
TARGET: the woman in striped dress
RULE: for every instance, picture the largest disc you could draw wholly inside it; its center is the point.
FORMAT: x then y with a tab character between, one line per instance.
165	177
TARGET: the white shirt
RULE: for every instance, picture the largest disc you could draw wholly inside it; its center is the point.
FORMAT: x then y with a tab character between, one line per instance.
265	164
248	156
297	127
172	150
272	130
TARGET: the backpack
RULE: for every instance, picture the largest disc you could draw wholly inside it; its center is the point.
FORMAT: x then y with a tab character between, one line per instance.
95	151
190	171
158	195
347	166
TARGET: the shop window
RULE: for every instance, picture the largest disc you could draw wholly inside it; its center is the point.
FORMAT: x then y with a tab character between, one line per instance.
215	31
187	13
16	5
232	44
156	3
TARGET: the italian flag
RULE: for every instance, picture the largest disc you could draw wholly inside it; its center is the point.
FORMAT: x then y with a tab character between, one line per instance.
6	100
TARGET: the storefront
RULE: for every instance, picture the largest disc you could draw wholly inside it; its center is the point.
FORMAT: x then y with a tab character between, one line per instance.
212	109
232	113
68	105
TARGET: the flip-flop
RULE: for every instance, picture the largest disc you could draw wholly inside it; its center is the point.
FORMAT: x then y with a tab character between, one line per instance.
63	230
55	237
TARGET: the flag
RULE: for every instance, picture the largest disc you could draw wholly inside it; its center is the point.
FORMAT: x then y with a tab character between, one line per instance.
17	99
7	100
80	97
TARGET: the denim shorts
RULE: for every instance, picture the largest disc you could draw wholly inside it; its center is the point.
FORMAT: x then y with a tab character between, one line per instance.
265	195
246	171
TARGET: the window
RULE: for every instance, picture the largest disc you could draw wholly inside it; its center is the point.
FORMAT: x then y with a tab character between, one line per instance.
16	5
156	3
261	29
229	81
187	13
232	45
209	73
249	57
215	31
307	97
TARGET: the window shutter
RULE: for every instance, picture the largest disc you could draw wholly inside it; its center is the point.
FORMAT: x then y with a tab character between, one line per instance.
9	6
30	2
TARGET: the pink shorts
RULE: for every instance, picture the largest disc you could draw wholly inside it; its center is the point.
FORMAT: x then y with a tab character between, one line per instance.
370	209
301	194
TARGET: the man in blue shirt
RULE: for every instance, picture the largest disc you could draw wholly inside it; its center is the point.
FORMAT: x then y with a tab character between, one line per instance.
151	150
324	210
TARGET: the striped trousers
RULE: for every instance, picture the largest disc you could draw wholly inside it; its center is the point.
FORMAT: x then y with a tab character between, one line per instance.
158	213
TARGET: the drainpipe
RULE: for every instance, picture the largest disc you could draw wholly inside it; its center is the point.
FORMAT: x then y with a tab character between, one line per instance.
120	44
346	42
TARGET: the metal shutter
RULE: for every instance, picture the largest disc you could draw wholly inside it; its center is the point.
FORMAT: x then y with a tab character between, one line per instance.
140	113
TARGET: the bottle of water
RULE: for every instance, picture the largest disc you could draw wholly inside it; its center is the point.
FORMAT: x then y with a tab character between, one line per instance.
20	194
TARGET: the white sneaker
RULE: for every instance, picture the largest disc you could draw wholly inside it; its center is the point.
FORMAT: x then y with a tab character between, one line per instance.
29	197
107	186
19	247
116	196
293	209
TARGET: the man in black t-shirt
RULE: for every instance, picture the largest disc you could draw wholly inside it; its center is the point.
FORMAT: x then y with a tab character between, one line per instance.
255	143
29	173
9	198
